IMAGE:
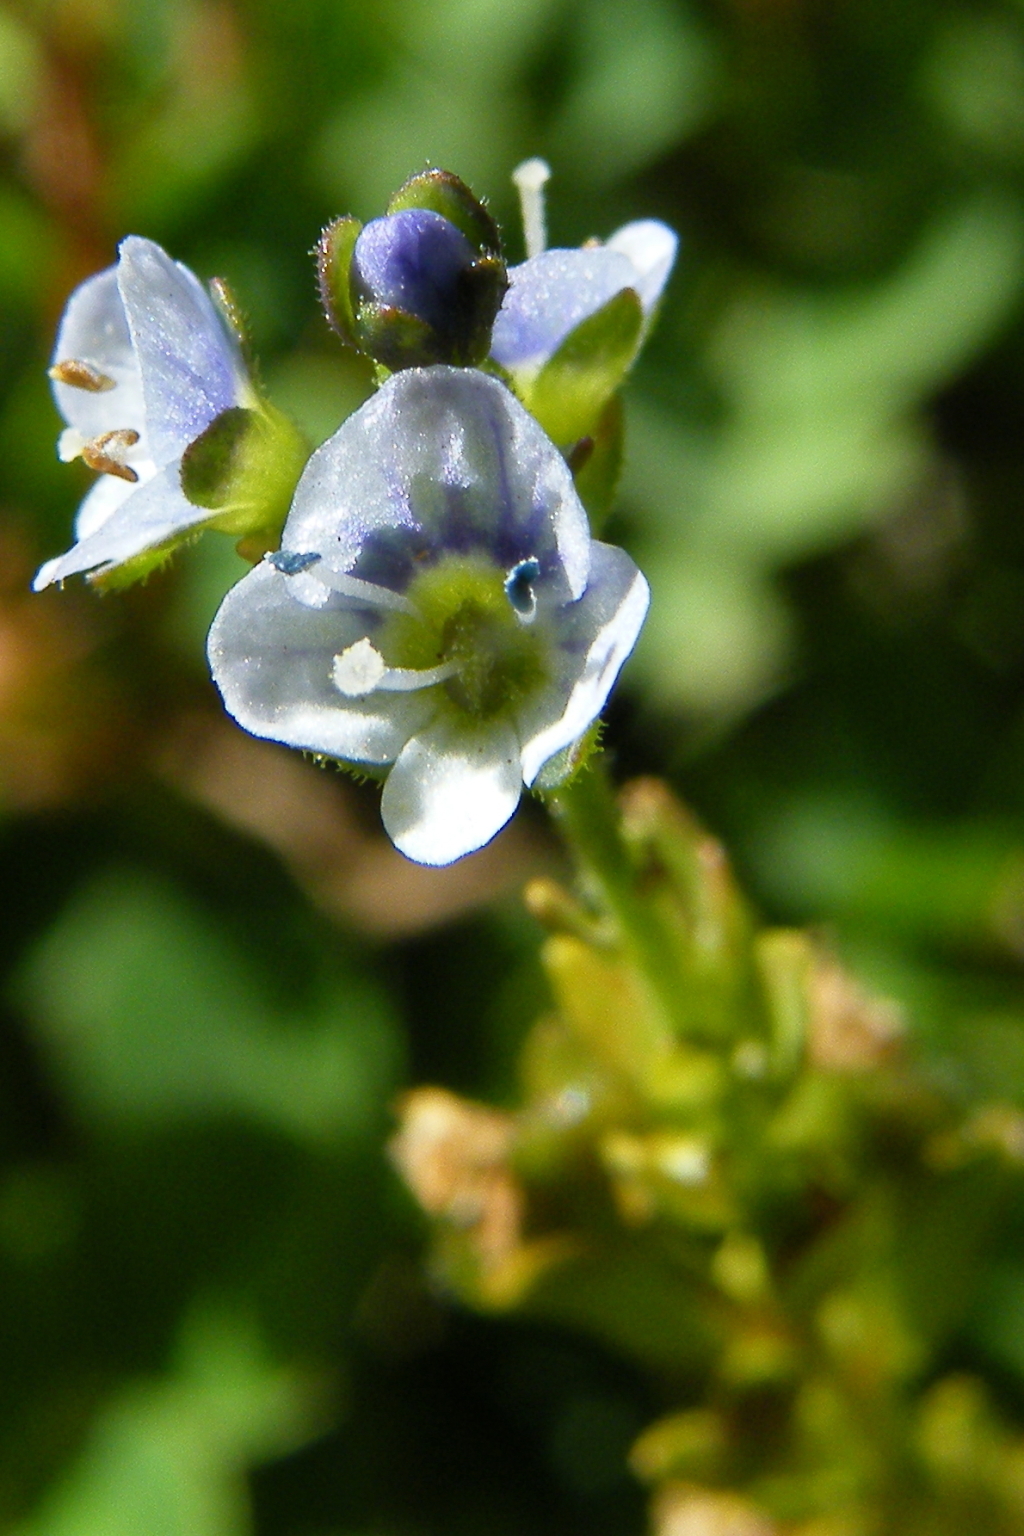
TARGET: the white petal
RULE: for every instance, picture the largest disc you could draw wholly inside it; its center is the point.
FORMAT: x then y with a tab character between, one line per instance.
101	502
190	362
272	658
451	791
651	248
449	453
153	513
596	634
94	330
549	296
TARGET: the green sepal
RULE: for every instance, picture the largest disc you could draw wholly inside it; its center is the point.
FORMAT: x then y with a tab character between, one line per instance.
362	773
597	477
212	461
333	267
244	469
447	194
140	567
575	384
230	311
395	338
398	339
484	286
562	768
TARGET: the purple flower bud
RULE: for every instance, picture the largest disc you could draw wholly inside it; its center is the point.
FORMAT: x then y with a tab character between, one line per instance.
421	293
413	261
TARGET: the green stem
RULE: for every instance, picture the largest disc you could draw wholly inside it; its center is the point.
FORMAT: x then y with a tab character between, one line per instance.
588	817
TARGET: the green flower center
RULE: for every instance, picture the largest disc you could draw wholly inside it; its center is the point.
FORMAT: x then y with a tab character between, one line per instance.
465	619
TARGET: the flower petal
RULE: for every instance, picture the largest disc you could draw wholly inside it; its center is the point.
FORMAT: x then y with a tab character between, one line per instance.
153	513
94	330
651	248
451	791
549	295
594	637
272	658
104	498
450	455
190	363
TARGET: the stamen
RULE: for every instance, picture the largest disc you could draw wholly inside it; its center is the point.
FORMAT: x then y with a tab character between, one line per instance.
361	669
82	375
519	587
367	592
107	452
530	178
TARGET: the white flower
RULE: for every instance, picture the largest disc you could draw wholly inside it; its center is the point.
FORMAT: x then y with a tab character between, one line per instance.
144	362
438	604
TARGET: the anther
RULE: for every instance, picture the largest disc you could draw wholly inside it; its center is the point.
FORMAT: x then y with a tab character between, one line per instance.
291	562
106	453
530	178
519	587
81	375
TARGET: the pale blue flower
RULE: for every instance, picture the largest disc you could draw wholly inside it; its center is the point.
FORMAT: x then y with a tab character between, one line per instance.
438	605
144	362
552	292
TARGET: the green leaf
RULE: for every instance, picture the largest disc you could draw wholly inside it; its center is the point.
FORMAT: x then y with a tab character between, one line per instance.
150	1016
168	1458
574	386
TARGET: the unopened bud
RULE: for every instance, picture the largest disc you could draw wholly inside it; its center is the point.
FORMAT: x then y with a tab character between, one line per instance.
420	285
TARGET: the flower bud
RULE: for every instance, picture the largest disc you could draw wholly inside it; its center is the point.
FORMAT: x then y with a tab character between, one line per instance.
420	285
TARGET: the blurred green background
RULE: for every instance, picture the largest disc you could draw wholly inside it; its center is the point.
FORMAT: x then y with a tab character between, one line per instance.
217	974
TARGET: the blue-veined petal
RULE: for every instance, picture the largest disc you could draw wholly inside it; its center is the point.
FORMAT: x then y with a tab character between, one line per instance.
190	363
551	294
273	658
651	248
94	330
593	637
451	459
548	296
154	513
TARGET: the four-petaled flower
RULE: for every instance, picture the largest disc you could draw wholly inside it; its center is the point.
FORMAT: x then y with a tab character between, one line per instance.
144	363
438	605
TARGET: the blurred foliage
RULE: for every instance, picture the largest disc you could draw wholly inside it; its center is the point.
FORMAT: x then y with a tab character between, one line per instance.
215	974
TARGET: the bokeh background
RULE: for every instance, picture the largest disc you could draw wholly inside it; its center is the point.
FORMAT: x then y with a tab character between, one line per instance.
216	974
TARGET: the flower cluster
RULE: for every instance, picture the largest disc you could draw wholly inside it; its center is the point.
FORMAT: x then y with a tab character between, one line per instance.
435	609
